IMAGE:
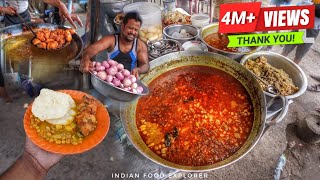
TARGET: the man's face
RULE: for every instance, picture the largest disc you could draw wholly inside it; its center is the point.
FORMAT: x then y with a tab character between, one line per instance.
130	30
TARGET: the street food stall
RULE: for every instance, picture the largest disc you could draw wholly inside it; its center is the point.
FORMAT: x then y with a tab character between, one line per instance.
205	110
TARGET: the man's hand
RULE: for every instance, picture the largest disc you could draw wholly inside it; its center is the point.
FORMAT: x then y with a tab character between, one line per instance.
135	72
44	158
64	14
33	164
76	18
8	10
85	64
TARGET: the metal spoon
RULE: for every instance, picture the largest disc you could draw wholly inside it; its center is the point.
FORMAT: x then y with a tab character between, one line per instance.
35	36
270	88
24	22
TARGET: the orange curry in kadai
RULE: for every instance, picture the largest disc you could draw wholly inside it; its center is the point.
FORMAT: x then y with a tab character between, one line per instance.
195	115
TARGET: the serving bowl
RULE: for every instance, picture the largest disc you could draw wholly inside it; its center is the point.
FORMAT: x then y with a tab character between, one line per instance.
116	93
161	47
194	46
169	30
200	20
214	28
281	62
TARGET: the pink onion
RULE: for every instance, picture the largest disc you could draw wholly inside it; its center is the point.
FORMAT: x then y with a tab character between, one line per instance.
116	82
133	78
102	75
98	64
140	89
119	76
111	71
126	82
134	90
109	78
126	89
134	85
100	68
125	72
106	65
120	66
114	67
94	72
112	62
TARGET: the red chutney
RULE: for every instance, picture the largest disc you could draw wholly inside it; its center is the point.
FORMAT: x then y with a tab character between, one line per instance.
195	115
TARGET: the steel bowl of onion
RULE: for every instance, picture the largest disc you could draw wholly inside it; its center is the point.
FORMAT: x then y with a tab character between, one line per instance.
110	79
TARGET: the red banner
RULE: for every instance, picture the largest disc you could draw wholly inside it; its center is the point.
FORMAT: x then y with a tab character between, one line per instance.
286	18
238	17
250	17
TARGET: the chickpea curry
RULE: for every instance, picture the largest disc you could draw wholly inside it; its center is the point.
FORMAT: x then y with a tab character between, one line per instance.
75	131
195	115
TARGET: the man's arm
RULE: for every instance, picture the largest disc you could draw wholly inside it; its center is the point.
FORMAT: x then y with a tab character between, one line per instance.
92	50
25	168
142	60
63	11
7	10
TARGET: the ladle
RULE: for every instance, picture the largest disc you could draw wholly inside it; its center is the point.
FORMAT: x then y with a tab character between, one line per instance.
270	88
24	22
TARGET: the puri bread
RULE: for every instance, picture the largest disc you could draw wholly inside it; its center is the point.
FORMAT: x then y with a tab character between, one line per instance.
66	119
51	105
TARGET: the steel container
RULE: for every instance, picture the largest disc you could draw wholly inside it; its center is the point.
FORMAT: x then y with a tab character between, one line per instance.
278	61
188	58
